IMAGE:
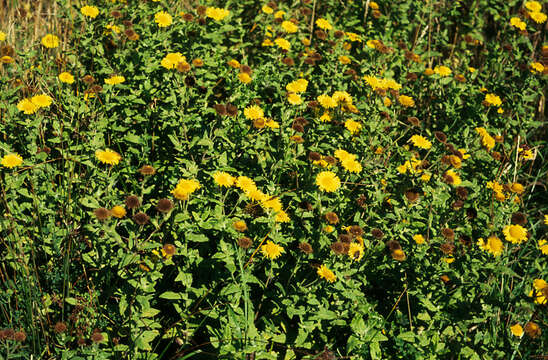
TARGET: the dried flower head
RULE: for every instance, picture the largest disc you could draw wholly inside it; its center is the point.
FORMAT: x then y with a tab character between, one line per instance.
101	214
147	170
132	202
60	327
306	248
164	205
245	242
331	217
141	218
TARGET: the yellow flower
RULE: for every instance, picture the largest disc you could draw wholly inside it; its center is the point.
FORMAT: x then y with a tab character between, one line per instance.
89	11
114	80
282	217
3	36
352	165
406	101
353	36
244	78
517	188
353	126
533	6
11	160
272	124
326	274
493	245
50	41
234	64
326	101
343	59
355	251
297	86
419	239
426	177
323	24
118	211
108	156
325	117
543	246
537	67
41	100
294	99
517	23
442	70
279	14
421	142
163	19
289	27
239	225
328	181
245	183
545	219
538	17
217	14
471	69
271	250
328	229
66	78
253	112
267	42
283	43
7	59
516	330
428	71
492	99
224	179
538	286
515	233
184	188
171	60
27	106
453	177
267	9
487	140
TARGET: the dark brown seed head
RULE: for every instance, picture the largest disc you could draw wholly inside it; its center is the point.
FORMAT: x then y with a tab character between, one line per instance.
320	34
132	202
96	337
412	195
393	245
519	218
306	248
147	170
245	242
201	10
245	69
362	201
447	248
532	329
377	233
7	50
411	76
88	79
60	327
20	336
331	217
220	109
232	110
458	204
330	160
313	104
164	205
413	121
345	238
288	61
141	218
169	250
101	214
306	205
355	230
465	240
184	67
338	34
440	136
314	156
297	127
337	248
190	81
471	213
448	233
188	17
127	23
116	14
462	192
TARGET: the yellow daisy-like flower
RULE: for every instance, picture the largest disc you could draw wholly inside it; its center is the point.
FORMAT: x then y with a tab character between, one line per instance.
224	179
114	80
283	43
421	142
171	60
543	246
253	112
245	183
50	41
271	250
442	70
406	101
279	14
163	19
108	156
326	274
66	78
515	234
353	126
294	99
352	165
272	124
184	188
323	24
27	106
492	99
118	211
234	64
90	11
267	42
453	177
11	160
244	78
326	101
493	245
345	60
3	36
355	251
537	67
289	27
326	117
487	140
419	239
518	23
545	219
41	100
538	17
7	59
327	181
217	14
533	6
539	286
267	9
282	217
516	330
297	86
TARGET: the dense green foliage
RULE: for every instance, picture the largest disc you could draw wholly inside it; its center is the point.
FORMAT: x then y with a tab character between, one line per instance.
423	239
